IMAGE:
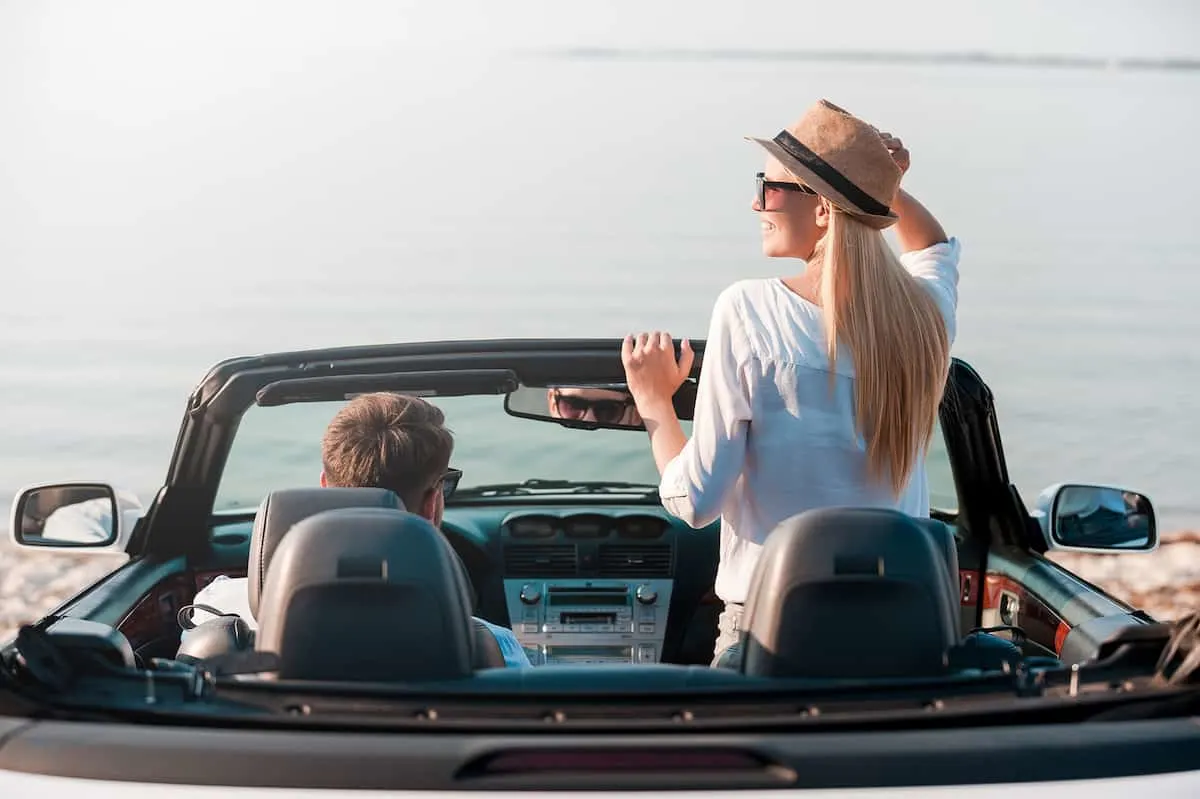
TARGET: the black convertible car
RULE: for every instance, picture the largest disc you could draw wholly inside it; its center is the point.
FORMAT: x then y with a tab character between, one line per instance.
971	659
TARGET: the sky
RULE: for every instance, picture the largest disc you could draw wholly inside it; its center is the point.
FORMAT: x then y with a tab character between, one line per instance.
461	28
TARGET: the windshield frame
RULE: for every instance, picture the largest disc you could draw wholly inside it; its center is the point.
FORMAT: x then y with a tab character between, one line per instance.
180	516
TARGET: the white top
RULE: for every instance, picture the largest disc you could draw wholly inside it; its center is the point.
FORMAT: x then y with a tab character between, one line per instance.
769	439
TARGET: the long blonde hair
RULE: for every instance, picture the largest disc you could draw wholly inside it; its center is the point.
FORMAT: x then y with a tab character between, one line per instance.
897	341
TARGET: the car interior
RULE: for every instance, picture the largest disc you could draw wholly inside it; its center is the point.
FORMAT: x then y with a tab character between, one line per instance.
599	584
345	585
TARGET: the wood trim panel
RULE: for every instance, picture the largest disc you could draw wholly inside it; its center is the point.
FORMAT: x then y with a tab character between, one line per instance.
1005	601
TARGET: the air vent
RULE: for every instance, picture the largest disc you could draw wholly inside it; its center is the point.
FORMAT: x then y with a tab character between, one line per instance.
587	526
643	527
532	527
629	560
539	560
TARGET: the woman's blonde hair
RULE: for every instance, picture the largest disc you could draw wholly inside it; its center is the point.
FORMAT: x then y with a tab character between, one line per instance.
897	341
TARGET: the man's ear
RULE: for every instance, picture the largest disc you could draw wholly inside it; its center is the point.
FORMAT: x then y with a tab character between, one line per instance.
429	502
324	482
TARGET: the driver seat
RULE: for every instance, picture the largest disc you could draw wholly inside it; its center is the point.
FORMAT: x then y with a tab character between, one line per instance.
351	592
278	513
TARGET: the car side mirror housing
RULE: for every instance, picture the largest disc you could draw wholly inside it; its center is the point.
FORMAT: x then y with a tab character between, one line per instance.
79	516
1100	519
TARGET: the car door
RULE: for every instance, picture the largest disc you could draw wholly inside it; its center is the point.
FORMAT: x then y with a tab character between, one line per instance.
1005	578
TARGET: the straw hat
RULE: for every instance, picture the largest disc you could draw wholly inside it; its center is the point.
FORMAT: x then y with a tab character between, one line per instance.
841	158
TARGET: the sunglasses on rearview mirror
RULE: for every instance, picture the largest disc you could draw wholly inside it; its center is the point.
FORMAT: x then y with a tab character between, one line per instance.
605	411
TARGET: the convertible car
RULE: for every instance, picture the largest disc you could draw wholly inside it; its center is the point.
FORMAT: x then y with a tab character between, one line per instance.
880	651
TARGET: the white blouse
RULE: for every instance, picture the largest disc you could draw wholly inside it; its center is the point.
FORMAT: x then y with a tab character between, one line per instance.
769	440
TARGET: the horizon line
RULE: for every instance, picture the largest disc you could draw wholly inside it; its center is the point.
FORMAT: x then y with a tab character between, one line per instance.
588	52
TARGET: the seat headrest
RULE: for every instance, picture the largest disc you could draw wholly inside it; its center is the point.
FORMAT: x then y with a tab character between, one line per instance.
370	594
849	593
282	509
945	542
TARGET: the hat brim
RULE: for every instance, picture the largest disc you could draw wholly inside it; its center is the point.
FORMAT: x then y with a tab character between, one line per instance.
814	182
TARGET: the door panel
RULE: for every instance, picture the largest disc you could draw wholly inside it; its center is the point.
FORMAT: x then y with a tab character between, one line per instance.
1057	610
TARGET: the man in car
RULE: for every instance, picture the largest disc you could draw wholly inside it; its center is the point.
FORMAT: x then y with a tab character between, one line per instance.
379	440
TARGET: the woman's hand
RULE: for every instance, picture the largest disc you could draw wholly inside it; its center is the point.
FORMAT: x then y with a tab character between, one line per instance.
651	371
899	154
917	228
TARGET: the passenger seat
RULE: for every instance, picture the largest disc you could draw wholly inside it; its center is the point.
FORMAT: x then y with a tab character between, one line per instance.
857	592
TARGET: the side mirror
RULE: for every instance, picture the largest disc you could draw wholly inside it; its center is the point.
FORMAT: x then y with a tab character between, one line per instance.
1100	519
91	517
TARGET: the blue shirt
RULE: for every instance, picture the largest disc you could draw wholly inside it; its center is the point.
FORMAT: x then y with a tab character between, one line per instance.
510	647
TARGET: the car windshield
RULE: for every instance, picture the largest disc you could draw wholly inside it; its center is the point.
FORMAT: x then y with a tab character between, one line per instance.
280	447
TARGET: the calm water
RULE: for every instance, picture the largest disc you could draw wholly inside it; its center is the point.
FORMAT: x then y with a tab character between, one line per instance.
155	219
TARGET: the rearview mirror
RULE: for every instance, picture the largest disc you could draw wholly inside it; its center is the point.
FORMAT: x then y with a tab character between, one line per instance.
79	516
1100	519
607	406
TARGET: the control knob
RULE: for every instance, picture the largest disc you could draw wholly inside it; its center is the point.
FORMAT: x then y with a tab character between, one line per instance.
530	595
646	595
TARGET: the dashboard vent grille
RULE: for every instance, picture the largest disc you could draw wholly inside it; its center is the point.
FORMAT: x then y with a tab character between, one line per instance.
540	560
643	527
631	560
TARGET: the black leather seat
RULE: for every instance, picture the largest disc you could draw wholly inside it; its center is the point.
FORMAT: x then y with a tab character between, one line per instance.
277	514
942	536
850	593
366	594
281	510
975	650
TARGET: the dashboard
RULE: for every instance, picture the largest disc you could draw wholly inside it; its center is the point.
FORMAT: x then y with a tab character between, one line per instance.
591	584
591	581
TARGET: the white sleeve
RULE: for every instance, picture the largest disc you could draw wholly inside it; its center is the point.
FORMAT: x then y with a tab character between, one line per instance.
696	482
937	267
228	595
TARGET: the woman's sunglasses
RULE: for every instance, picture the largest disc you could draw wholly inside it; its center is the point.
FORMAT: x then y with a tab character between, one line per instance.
605	411
761	184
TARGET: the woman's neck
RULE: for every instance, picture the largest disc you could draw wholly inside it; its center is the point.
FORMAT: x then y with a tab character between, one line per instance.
807	284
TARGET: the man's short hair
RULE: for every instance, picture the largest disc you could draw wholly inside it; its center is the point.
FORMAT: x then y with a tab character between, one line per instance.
386	440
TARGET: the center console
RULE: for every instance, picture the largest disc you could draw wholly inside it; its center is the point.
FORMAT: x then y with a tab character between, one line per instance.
589	587
589	621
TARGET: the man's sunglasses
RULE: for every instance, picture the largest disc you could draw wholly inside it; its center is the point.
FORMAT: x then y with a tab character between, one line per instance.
605	411
761	184
450	482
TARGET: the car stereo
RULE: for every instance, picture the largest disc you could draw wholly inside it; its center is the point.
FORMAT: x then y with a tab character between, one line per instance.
589	621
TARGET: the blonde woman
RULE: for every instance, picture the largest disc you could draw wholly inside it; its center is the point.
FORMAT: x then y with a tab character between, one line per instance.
818	389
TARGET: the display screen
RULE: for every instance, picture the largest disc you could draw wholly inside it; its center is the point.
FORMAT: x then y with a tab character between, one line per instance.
589	600
589	654
588	618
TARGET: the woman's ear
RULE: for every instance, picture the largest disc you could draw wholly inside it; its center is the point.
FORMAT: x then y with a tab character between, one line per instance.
324	482
822	213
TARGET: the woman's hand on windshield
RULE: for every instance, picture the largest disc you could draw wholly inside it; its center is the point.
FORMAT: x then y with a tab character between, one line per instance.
652	372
